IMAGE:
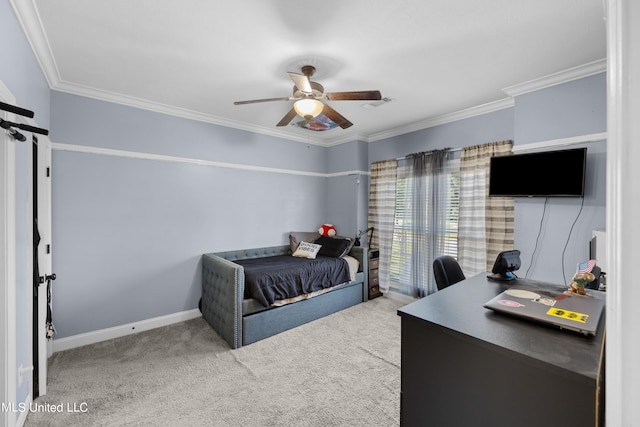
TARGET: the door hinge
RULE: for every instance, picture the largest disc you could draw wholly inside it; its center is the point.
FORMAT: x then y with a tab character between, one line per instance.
47	278
48	249
48	172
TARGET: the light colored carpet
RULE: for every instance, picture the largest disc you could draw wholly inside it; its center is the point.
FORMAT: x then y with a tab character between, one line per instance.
341	370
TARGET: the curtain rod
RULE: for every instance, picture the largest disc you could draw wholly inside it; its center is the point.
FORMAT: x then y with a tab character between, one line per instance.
580	139
451	150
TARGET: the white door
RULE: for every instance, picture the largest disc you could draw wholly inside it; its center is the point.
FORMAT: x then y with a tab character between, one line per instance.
44	258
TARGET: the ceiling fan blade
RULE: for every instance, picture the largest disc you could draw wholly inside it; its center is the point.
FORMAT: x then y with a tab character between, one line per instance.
253	101
336	117
364	95
302	82
287	118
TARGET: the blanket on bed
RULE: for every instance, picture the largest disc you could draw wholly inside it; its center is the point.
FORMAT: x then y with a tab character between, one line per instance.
268	279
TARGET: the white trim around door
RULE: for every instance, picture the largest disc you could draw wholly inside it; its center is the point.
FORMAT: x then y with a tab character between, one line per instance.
8	372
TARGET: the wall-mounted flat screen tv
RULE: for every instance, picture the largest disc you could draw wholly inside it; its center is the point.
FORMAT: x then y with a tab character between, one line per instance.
558	173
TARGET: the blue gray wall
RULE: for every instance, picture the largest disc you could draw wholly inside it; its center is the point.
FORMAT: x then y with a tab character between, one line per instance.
563	111
129	232
575	108
348	187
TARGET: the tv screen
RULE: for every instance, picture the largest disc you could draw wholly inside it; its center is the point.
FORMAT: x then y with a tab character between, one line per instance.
543	174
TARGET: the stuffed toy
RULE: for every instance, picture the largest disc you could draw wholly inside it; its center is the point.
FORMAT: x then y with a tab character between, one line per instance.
580	281
582	277
327	230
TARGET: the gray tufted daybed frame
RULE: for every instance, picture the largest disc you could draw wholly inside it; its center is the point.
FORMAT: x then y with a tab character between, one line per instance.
241	322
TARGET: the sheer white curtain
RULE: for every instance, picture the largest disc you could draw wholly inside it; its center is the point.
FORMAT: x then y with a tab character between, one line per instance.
422	215
382	203
486	223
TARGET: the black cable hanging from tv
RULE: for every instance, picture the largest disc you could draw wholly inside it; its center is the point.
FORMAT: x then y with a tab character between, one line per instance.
9	126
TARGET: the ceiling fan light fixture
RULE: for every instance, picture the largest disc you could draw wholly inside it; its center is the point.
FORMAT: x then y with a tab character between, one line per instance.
307	95
308	107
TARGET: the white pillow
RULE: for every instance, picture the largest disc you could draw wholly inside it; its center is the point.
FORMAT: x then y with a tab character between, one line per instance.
307	250
295	237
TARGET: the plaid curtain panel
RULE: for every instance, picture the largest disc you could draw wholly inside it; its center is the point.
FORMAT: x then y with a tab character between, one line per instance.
486	223
381	216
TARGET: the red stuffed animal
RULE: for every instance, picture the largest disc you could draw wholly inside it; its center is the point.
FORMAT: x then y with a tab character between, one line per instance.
327	230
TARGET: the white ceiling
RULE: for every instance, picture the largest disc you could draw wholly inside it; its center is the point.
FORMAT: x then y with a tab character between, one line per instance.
193	58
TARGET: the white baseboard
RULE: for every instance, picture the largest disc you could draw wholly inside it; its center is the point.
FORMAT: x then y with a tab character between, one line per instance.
122	330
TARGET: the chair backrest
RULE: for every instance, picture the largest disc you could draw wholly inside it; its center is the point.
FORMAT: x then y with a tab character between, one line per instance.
447	271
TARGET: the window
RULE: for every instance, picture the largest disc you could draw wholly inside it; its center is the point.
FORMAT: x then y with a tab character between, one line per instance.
436	232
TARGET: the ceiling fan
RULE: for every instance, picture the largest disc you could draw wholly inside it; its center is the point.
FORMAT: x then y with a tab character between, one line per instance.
308	96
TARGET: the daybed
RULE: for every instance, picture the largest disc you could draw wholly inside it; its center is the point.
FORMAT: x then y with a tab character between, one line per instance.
241	321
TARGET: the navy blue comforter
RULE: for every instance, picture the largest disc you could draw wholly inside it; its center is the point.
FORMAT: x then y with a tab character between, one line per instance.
273	278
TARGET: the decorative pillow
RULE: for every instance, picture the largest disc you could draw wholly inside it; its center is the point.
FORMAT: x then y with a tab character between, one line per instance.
352	242
307	250
331	247
295	237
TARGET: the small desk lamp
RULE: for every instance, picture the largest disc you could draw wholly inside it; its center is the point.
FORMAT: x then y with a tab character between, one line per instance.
362	233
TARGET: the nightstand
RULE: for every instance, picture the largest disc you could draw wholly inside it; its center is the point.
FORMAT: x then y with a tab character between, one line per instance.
374	283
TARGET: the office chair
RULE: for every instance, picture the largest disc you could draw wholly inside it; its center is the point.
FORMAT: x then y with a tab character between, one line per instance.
447	271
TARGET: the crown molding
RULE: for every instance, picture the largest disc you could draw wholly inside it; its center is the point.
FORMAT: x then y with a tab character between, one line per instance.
101	95
27	14
157	107
565	76
29	19
344	139
445	118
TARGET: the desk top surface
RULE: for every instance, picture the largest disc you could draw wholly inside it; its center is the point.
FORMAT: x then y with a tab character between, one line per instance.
459	310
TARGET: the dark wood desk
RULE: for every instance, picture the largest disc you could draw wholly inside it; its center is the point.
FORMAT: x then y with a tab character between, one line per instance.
465	365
